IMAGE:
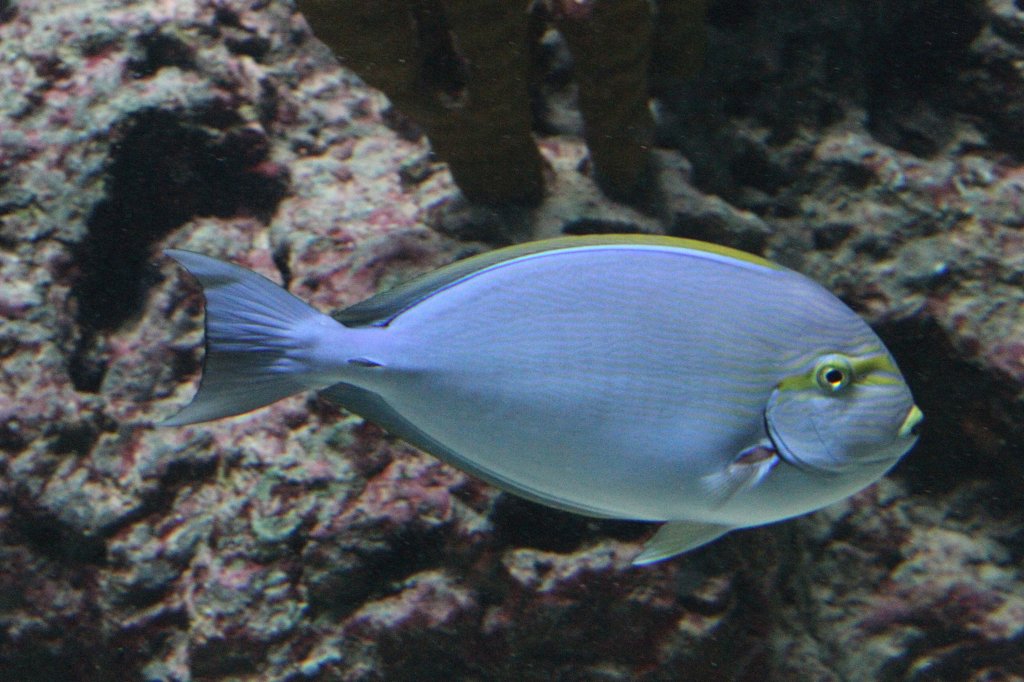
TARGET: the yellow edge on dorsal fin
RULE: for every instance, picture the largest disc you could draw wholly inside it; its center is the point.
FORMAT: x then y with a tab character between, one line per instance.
382	308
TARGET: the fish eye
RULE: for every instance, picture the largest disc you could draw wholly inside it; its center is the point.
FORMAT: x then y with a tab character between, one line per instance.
833	374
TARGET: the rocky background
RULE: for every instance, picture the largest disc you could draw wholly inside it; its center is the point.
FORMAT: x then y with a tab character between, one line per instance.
877	146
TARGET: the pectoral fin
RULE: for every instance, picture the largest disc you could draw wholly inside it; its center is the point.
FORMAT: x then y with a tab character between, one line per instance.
747	471
676	537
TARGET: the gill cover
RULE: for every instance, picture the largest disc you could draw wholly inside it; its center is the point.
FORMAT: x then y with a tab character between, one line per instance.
841	413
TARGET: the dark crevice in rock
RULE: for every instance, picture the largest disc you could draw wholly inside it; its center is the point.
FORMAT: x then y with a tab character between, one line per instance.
752	167
227	16
253	46
140	596
160	50
11	438
48	535
963	663
219	658
71	652
1014	542
8	10
429	656
87	363
75	437
945	659
158	501
88	644
377	575
138	643
164	171
519	523
918	49
961	438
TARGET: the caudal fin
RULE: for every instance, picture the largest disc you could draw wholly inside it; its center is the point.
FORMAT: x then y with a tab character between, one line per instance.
256	335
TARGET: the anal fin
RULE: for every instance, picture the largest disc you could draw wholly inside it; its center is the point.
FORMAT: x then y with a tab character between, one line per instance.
676	537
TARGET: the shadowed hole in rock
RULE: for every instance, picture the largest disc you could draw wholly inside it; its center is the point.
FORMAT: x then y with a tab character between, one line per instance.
520	523
961	438
178	474
253	46
74	652
376	575
160	50
939	653
45	533
425	656
154	580
8	10
219	657
917	51
75	437
163	171
11	440
751	167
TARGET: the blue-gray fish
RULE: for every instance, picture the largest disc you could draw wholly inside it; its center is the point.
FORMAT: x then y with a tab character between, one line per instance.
623	377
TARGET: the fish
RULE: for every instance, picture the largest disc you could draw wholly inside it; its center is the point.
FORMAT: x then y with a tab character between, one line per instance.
647	378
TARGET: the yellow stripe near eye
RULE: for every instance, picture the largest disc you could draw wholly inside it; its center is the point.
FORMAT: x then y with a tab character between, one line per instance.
873	370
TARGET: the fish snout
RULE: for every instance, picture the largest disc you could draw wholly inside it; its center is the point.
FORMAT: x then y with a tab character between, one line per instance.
911	426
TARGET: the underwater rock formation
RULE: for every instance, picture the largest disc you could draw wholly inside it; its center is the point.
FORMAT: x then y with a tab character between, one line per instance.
472	101
302	543
462	70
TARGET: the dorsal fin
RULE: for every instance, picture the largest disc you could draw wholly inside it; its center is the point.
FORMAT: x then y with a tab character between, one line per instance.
379	310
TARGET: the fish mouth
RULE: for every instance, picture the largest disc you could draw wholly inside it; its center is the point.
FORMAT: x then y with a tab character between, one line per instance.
911	423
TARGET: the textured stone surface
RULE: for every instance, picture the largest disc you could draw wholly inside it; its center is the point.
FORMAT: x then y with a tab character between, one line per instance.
875	146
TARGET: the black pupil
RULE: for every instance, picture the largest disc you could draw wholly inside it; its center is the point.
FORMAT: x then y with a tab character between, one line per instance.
834	376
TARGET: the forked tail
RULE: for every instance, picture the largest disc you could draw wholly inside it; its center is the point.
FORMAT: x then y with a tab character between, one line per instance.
261	342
